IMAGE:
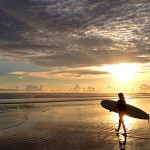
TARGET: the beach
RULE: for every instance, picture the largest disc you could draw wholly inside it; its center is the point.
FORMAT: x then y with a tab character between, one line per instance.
70	123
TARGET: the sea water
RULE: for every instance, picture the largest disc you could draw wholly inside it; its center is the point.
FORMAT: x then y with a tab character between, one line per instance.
72	122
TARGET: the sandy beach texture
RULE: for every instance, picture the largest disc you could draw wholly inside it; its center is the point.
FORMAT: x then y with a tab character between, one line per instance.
74	125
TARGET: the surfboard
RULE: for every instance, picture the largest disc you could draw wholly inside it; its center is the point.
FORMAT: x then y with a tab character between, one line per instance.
131	111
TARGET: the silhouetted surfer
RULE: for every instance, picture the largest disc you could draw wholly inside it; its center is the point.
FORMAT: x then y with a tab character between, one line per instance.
121	105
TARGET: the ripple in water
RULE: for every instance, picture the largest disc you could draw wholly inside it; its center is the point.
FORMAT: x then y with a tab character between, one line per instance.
73	125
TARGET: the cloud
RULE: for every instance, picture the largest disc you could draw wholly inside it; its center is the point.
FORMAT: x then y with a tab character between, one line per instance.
144	87
12	89
63	74
33	88
54	33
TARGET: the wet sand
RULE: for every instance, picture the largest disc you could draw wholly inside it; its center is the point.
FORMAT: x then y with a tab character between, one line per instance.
81	125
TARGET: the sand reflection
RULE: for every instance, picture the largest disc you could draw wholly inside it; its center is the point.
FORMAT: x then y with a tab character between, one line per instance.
129	122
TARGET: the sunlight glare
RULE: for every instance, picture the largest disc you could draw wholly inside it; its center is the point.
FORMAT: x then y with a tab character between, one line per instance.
127	120
124	72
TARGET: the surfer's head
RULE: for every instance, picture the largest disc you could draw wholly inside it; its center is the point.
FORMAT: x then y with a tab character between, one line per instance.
121	96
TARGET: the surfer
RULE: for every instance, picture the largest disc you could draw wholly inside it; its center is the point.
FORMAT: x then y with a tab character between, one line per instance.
121	105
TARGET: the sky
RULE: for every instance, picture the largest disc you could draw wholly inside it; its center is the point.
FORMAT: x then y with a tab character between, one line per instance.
75	45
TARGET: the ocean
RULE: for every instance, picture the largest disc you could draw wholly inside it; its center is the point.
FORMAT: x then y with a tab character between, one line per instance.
69	122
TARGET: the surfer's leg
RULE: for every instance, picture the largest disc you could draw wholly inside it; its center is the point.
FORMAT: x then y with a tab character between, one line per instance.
122	122
118	125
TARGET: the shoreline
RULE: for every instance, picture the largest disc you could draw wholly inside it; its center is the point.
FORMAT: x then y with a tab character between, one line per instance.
64	95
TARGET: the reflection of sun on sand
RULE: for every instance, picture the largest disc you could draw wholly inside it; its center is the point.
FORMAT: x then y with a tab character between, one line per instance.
128	120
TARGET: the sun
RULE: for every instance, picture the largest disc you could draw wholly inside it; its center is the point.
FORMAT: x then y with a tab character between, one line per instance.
124	72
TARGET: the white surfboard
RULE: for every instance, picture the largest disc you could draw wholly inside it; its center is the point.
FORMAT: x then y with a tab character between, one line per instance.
131	111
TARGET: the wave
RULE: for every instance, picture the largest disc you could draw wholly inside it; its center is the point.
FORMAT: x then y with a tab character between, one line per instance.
45	100
68	95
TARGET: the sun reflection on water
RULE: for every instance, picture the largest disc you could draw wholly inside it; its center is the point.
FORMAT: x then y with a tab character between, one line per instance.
127	120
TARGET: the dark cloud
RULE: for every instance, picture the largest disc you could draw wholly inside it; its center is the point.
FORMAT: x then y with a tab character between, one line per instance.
81	71
56	33
65	73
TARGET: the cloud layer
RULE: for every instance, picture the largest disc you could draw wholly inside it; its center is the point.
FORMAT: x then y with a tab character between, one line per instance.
64	74
74	33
